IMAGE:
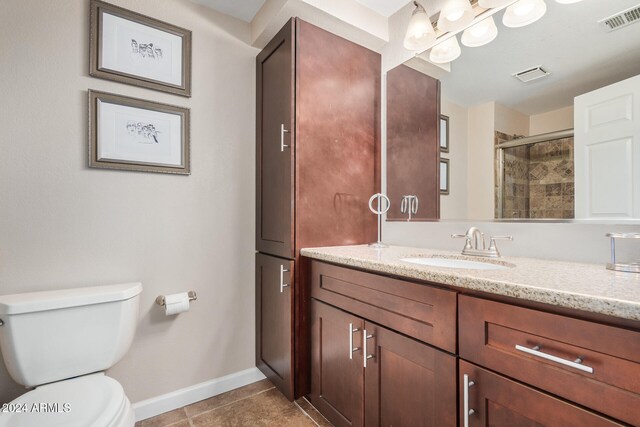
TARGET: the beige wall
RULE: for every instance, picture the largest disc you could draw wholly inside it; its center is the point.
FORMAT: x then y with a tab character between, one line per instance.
64	225
510	121
480	135
454	204
551	121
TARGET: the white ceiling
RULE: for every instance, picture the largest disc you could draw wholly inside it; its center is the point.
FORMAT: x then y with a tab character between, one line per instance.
384	7
241	9
567	41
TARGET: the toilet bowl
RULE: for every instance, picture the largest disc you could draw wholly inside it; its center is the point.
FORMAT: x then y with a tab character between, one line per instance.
60	342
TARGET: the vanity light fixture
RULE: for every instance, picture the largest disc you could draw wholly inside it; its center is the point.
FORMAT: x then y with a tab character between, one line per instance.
480	34
455	15
420	33
524	12
446	51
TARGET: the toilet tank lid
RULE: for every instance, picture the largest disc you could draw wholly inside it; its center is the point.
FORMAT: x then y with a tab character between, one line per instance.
51	300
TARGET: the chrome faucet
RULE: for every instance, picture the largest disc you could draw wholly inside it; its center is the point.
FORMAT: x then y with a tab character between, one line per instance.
475	244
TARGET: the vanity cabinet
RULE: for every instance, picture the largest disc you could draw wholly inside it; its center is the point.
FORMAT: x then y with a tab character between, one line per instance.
591	364
317	164
364	373
492	400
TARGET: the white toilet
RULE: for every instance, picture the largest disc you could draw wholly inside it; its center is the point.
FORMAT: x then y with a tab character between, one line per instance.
60	342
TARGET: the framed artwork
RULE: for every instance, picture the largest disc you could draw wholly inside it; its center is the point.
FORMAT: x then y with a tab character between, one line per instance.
444	133
135	49
444	176
138	135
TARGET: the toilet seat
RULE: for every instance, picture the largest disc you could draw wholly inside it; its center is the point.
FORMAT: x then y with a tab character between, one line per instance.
91	400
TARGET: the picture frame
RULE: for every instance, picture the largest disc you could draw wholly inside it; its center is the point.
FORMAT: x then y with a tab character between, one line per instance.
132	48
137	135
444	176
444	133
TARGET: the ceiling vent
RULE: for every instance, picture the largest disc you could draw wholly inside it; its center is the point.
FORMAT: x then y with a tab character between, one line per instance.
531	74
621	19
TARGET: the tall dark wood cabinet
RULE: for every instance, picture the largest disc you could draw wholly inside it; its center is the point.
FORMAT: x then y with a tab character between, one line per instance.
413	142
317	164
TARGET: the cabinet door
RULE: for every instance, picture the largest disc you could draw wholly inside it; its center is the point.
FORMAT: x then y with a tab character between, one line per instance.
337	377
497	401
274	145
408	383
274	322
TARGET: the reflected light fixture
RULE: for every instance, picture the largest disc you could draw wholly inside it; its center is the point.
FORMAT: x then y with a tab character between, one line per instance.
455	15
480	34
446	51
490	4
524	12
420	33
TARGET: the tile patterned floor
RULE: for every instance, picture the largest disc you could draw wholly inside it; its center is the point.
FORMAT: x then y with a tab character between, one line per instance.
257	404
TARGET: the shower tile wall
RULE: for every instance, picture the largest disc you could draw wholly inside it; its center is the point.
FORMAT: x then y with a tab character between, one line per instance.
551	179
538	179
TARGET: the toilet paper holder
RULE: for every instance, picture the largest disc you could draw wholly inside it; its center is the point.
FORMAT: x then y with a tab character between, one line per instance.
192	297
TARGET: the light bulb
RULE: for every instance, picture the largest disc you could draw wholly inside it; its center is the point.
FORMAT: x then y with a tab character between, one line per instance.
455	15
420	33
446	51
524	12
481	33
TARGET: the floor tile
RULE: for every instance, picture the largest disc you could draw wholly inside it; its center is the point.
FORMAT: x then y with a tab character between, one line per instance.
313	413
228	397
166	419
269	408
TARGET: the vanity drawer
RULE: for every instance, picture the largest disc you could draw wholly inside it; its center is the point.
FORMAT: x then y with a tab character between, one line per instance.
423	312
489	333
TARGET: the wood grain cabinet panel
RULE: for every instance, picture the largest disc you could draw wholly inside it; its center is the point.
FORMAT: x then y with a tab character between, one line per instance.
317	158
490	332
274	320
413	144
403	382
500	402
423	312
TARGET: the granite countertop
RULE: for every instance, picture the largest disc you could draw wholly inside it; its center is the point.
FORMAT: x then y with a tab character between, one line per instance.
588	287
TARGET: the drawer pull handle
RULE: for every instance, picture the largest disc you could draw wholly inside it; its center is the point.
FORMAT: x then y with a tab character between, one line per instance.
366	356
467	411
282	284
351	347
535	351
282	132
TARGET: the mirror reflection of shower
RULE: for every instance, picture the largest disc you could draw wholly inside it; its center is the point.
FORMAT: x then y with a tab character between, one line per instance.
535	176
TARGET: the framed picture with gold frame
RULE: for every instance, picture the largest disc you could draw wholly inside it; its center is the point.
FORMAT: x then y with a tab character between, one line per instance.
131	48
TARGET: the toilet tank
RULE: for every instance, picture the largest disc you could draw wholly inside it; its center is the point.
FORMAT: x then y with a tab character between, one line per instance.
55	335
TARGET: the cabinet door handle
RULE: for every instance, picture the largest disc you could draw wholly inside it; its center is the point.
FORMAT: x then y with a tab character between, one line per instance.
351	347
282	284
282	132
467	411
535	351
366	357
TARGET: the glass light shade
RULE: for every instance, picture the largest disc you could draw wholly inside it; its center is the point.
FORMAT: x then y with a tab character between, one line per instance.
455	15
446	51
420	33
480	34
490	4
567	1
524	12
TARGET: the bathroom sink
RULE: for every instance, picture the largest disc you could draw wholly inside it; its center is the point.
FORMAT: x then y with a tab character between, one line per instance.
455	263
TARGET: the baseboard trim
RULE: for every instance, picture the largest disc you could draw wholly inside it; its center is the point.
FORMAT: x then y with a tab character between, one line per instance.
177	399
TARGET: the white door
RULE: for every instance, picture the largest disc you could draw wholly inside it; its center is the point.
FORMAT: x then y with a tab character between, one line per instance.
607	151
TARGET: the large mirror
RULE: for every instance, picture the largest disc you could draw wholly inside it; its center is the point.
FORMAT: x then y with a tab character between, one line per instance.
510	151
